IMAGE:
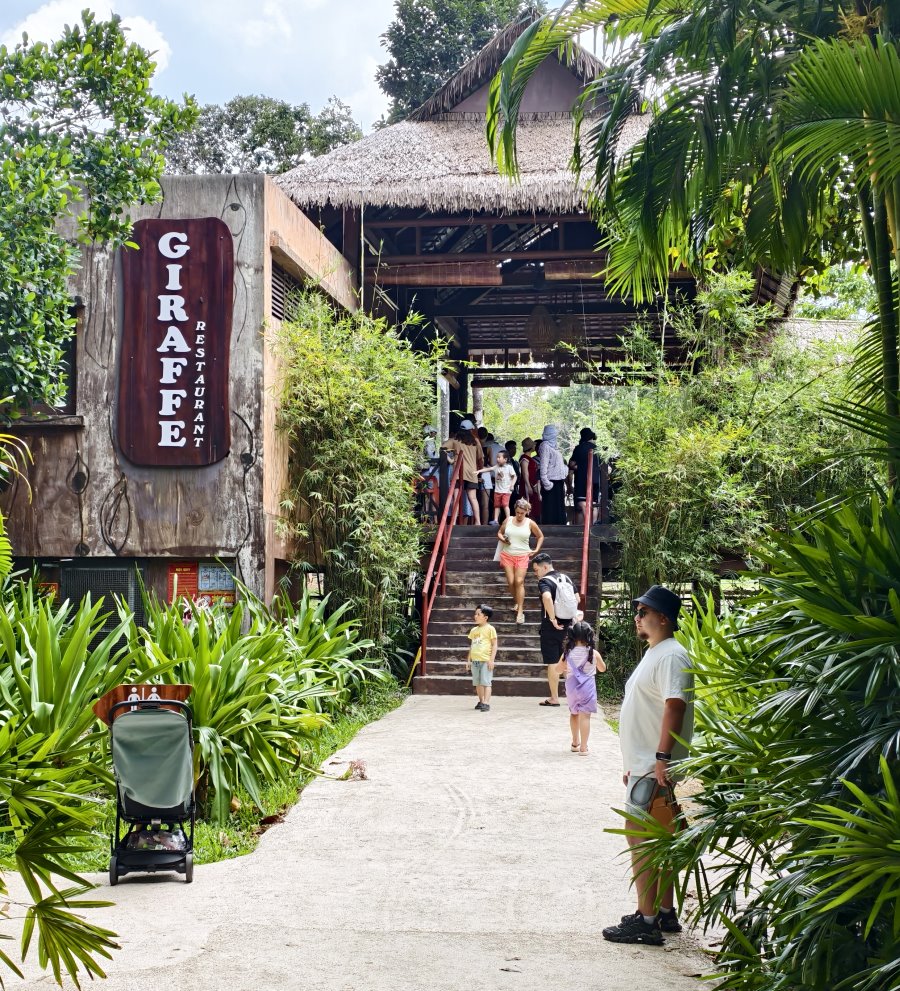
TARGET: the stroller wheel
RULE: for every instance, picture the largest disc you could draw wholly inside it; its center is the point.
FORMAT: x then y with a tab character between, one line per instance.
188	868
113	870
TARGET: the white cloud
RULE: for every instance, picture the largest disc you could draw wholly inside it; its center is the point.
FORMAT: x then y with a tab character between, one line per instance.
270	26
48	21
368	102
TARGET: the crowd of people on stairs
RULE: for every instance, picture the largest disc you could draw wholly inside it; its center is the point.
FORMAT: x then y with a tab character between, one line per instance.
495	477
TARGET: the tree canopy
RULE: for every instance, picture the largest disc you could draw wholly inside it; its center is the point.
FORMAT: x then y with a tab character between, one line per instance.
260	134
81	135
428	40
841	292
772	139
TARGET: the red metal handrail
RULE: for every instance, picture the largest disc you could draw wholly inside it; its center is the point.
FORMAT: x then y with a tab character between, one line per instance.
436	575
586	537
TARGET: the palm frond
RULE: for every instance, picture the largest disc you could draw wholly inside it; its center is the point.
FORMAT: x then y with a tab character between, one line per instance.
842	103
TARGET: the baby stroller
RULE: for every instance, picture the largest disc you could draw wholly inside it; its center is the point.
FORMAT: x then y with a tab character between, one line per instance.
152	744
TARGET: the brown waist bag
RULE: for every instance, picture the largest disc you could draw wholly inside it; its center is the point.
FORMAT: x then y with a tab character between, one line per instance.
660	801
665	808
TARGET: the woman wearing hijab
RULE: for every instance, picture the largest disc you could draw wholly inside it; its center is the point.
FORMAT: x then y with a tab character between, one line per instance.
554	472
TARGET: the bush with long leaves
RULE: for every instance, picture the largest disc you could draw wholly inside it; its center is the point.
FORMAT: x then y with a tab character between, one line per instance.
260	685
792	844
52	668
256	693
322	648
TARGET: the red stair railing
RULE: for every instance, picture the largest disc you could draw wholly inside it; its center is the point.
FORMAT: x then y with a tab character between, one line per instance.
436	575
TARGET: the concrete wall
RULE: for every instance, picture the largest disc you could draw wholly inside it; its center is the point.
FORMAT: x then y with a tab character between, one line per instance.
222	510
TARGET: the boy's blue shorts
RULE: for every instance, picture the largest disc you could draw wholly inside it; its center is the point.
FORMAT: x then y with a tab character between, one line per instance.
481	674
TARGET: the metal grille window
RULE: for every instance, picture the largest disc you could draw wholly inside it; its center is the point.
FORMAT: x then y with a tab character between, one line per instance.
103	579
285	289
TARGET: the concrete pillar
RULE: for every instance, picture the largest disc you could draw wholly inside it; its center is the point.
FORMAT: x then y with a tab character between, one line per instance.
478	406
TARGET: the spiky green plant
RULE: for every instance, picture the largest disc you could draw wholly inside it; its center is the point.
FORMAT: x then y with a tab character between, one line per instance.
797	745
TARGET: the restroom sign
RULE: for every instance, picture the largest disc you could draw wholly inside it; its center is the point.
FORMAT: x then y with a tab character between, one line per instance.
176	336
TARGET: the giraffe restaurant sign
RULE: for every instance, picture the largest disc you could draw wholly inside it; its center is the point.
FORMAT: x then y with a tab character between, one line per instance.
173	380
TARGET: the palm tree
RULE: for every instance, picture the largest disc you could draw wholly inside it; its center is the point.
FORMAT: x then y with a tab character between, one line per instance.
774	139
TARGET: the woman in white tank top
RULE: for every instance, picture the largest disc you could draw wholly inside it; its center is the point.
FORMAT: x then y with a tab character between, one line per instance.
516	552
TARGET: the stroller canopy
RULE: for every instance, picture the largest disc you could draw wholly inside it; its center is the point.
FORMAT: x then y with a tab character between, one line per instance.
151	752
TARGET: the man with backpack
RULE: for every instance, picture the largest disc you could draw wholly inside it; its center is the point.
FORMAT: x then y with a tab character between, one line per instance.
560	604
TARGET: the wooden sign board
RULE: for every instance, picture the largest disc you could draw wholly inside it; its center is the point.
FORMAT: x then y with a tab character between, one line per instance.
202	582
176	337
139	693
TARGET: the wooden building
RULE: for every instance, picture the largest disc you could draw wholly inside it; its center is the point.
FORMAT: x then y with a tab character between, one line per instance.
504	270
413	217
167	454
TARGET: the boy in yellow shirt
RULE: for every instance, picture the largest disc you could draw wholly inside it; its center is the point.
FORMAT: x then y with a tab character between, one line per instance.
482	652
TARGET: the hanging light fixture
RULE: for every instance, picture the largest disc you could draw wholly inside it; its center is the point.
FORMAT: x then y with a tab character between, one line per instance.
541	330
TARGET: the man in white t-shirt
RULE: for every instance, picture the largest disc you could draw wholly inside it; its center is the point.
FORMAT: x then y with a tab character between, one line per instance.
658	706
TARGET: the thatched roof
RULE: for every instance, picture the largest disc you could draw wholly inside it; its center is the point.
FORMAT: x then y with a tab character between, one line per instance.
438	160
485	64
444	165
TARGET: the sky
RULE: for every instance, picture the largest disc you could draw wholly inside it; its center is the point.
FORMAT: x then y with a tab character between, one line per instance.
301	51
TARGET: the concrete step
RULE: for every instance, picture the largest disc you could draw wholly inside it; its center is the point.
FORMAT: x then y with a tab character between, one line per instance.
487	566
600	533
453	685
459	583
502	669
448	608
502	686
483	554
446	625
456	647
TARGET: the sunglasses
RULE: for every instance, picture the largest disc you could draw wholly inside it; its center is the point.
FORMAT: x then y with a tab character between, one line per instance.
641	613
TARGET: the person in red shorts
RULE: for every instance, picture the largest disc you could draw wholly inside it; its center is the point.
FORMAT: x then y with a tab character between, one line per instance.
504	480
516	552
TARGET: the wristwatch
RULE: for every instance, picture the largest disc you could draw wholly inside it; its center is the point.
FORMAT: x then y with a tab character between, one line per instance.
660	755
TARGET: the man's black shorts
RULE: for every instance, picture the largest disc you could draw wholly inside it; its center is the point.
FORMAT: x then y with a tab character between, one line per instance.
552	640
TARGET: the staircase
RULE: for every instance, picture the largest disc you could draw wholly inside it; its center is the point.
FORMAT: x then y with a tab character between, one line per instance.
474	577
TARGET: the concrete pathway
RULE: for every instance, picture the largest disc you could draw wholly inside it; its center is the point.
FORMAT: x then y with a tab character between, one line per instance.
472	859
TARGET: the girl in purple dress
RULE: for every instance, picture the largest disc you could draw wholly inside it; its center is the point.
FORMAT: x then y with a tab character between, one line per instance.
580	663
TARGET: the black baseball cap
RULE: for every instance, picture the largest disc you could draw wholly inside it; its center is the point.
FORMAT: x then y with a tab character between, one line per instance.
662	600
588	434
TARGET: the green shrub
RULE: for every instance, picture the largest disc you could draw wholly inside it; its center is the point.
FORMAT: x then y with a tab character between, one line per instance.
323	649
792	845
263	687
248	705
710	455
354	397
54	663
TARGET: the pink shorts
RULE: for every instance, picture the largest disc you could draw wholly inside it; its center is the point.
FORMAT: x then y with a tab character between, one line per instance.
501	499
518	561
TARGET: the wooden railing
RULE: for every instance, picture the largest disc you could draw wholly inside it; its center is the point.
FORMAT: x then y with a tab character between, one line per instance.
586	538
436	576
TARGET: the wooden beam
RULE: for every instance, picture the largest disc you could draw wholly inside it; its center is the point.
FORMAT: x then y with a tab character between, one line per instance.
471	220
498	255
445	273
519	311
574	267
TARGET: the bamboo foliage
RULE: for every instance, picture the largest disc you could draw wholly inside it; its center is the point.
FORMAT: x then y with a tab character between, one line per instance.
355	396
